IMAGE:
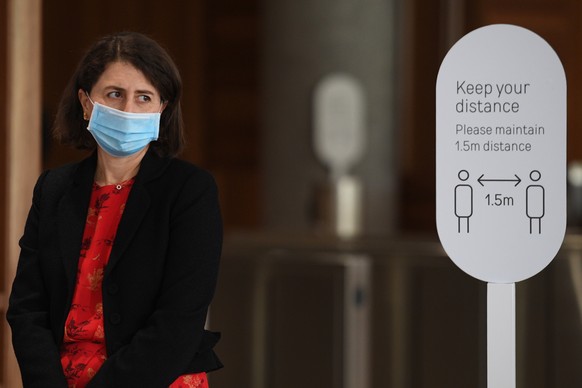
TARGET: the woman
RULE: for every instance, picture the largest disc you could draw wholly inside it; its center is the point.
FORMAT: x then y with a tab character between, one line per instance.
119	256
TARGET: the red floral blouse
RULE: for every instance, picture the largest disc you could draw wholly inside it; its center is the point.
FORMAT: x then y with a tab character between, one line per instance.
83	350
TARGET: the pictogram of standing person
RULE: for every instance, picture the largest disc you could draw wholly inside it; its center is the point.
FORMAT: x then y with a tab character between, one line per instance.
463	201
535	203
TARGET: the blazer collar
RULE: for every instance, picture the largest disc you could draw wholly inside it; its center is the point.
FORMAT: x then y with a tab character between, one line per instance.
151	167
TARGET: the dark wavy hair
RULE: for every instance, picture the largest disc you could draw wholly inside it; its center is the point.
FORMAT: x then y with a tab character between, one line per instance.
144	54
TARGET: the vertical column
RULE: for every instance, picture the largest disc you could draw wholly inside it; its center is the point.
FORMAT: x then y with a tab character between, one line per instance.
23	140
303	41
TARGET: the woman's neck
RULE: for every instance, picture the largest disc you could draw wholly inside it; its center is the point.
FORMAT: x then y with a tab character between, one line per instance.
112	170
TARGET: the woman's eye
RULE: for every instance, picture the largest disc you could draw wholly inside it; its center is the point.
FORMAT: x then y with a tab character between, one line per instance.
114	94
144	98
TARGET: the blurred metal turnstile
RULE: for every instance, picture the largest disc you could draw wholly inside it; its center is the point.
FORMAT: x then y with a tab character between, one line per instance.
312	320
383	313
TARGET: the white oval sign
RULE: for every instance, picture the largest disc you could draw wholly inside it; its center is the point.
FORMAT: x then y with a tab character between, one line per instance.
501	153
339	128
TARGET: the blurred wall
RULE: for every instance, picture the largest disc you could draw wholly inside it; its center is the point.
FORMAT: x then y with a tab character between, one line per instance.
304	41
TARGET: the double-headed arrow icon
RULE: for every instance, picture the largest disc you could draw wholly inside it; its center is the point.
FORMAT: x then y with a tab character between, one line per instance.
517	180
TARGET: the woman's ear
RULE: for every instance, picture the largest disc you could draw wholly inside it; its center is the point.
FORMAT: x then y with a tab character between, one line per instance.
86	104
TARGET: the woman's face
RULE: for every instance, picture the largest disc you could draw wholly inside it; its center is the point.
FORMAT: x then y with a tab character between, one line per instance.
125	88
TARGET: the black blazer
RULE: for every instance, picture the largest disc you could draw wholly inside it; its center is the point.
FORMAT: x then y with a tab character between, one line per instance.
157	285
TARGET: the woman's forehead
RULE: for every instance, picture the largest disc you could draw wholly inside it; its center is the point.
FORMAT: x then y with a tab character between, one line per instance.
125	76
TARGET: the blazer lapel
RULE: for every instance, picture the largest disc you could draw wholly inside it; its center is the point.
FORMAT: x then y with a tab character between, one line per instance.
73	207
136	207
72	214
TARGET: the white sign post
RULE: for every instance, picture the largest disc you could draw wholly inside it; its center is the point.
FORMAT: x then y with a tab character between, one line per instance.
501	169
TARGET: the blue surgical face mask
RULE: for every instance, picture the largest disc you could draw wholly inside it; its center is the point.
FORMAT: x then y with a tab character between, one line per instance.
122	133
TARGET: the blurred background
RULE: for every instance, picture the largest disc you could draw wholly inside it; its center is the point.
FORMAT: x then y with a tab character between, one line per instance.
309	296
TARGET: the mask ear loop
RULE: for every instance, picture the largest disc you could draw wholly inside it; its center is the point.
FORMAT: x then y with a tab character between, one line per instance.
92	103
89	97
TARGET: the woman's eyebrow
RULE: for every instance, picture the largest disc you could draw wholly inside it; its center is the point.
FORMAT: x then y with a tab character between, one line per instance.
139	91
113	87
144	91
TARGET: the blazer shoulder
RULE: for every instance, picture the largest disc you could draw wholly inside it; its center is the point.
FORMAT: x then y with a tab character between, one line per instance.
54	181
184	170
61	174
